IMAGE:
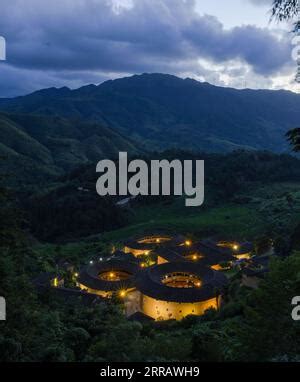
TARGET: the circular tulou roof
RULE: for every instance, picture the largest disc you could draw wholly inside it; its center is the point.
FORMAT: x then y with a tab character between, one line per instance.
149	282
89	276
139	243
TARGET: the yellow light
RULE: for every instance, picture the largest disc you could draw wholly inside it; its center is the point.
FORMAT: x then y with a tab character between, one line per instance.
55	282
111	275
188	243
76	274
157	240
195	257
147	253
123	293
198	284
143	265
235	247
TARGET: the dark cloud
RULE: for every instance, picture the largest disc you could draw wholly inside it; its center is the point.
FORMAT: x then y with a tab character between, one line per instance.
64	40
18	81
256	46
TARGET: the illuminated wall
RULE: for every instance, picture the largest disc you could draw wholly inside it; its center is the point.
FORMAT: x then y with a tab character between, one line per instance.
136	252
216	267
146	240
154	239
161	260
164	310
101	293
157	309
243	256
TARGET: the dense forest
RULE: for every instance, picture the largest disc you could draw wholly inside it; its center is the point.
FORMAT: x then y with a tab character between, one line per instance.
46	327
77	211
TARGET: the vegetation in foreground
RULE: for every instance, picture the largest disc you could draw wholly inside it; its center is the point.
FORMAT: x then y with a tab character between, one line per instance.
46	328
247	328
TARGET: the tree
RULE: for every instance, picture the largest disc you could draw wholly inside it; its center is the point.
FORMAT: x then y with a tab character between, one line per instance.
284	9
262	245
206	344
293	137
267	331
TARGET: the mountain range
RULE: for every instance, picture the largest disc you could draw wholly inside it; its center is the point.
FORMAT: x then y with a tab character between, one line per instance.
57	129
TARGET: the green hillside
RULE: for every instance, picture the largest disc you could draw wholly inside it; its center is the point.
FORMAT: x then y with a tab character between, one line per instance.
245	194
38	148
164	111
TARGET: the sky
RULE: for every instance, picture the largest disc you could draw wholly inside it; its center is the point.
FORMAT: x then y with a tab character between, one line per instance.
77	42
